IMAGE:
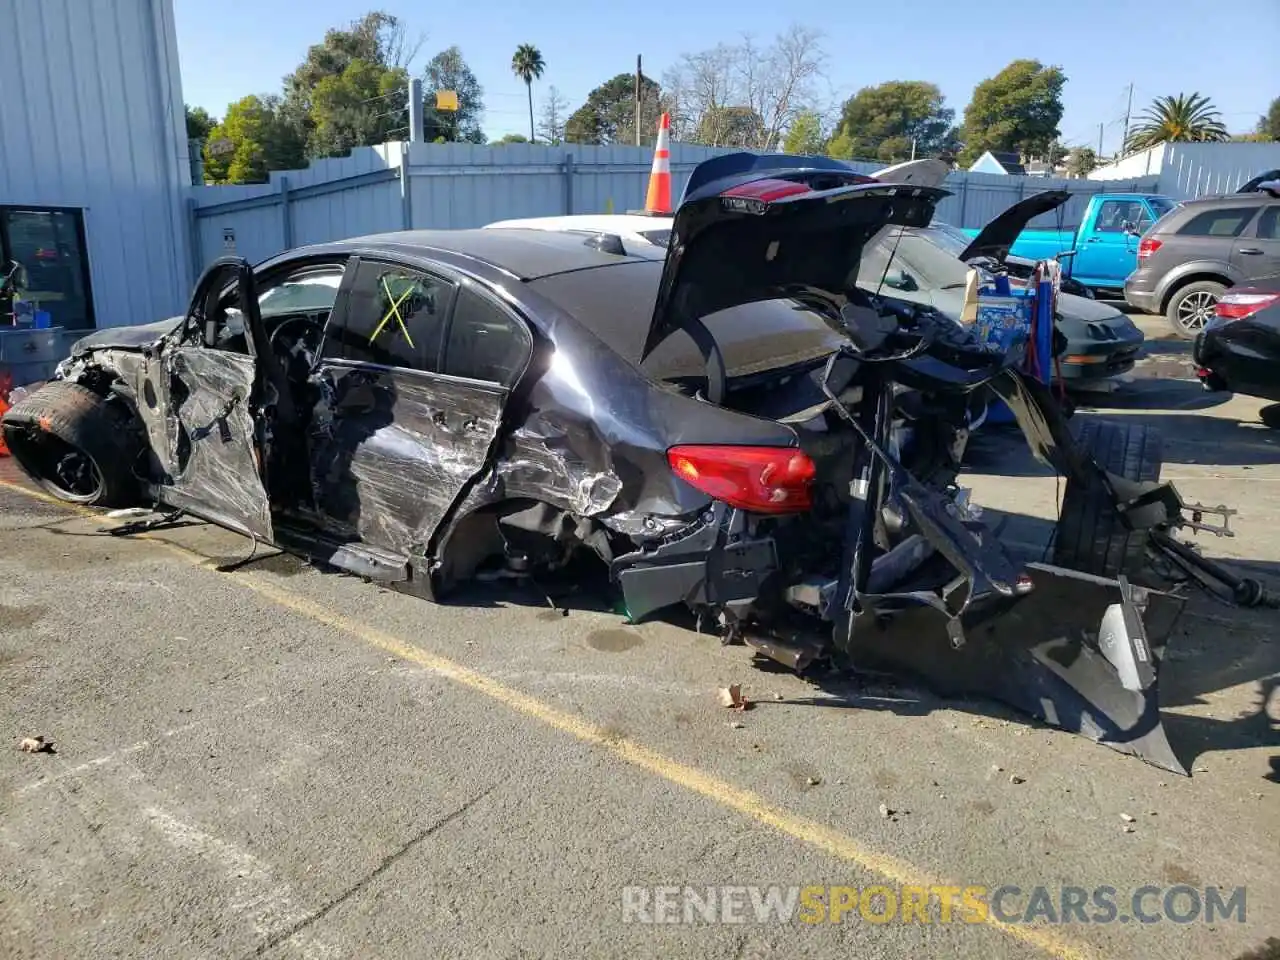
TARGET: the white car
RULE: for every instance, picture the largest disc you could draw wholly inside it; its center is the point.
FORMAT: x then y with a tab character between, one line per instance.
629	227
655	229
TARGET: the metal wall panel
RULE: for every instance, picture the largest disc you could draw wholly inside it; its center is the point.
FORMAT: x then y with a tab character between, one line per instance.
452	186
1201	169
91	117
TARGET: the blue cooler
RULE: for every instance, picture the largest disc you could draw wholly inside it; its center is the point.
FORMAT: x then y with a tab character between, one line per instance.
1004	324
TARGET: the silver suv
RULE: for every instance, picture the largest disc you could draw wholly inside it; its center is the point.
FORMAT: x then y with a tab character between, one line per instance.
1194	252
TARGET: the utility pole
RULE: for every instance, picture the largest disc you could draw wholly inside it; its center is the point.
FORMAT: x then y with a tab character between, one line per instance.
913	148
638	75
1100	126
1127	110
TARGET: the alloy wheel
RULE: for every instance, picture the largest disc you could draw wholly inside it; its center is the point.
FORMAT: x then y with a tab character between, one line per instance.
1195	309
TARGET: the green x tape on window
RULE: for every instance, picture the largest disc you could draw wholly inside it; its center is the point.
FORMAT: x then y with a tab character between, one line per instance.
394	312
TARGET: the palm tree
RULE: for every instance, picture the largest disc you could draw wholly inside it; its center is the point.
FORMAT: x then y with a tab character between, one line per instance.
527	64
1181	119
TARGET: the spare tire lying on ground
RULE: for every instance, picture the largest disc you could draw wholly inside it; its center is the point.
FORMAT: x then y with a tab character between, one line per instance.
81	446
1091	536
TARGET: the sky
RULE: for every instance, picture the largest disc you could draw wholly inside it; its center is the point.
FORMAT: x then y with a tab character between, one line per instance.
1103	46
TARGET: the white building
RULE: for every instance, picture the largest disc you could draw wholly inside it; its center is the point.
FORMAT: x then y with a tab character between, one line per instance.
93	158
1189	170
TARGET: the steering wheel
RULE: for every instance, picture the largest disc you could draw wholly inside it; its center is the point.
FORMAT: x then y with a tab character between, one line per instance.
294	343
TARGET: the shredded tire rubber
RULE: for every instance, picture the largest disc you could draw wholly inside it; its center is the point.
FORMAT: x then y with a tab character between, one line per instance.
1091	537
103	430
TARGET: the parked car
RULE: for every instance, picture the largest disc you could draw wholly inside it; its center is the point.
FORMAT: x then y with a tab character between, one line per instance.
732	426
1017	268
930	265
630	228
1239	348
1188	259
1103	248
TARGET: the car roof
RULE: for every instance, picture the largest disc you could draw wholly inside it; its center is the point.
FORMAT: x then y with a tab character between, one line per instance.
523	253
1133	196
1232	200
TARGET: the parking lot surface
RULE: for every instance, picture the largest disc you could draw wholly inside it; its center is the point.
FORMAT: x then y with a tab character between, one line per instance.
272	760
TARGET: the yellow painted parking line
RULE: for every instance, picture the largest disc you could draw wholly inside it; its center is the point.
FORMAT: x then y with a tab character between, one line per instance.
745	802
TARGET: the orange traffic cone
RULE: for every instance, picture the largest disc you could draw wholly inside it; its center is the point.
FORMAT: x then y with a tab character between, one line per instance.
658	199
6	384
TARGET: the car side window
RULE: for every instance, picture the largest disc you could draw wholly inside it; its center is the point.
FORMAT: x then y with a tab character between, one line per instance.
1269	224
485	341
395	317
1228	222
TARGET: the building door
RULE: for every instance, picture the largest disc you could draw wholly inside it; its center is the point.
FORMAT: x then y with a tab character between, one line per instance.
49	243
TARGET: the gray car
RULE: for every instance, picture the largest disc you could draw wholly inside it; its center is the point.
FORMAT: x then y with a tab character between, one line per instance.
1192	254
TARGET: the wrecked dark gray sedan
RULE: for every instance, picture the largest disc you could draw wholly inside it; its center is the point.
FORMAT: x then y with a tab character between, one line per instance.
730	426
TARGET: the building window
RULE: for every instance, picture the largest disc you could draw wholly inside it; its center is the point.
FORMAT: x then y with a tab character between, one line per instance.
49	243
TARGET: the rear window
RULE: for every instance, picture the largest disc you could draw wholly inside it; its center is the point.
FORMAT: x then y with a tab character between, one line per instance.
1161	205
616	304
1228	222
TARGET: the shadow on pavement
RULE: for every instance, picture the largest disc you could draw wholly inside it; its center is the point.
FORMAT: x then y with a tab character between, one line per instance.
1001	450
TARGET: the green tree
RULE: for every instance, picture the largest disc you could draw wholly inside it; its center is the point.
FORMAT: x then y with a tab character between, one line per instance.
509	138
884	121
351	89
1081	162
1269	125
199	123
1184	118
609	114
527	64
341	118
447	70
805	135
841	146
1017	110
250	142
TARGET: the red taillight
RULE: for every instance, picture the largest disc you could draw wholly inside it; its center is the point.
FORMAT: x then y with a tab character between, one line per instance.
1237	306
766	191
1147	246
763	479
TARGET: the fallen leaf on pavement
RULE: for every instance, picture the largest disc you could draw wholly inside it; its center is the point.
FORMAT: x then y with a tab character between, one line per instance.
731	696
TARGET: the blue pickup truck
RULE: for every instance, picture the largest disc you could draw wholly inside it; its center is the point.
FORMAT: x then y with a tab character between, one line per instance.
1104	246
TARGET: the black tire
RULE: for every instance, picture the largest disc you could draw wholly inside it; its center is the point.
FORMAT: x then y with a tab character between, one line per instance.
77	445
1201	292
1091	536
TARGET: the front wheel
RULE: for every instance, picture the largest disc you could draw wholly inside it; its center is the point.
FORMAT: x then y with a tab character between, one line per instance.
1191	307
77	445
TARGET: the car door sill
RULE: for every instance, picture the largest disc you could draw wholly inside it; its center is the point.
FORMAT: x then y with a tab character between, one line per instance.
353	557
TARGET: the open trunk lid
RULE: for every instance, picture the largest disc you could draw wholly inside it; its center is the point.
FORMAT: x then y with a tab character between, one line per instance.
750	230
999	235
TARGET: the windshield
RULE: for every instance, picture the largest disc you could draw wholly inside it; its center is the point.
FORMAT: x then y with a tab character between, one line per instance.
306	294
925	259
951	239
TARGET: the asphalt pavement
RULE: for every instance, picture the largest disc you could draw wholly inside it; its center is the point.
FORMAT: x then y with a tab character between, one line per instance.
271	760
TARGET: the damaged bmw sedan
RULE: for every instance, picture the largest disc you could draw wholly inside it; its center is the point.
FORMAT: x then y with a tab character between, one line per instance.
731	425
